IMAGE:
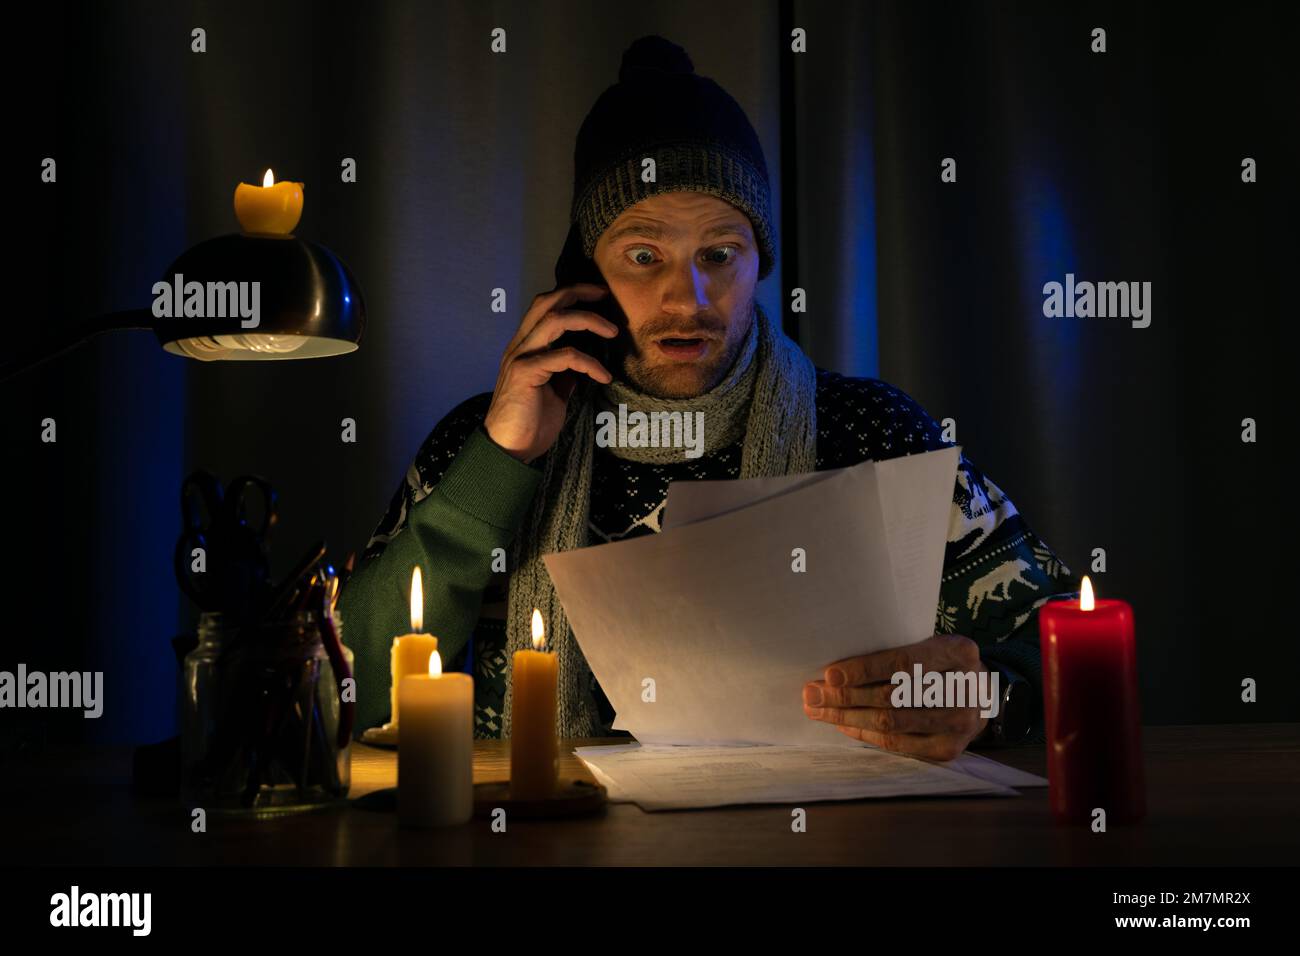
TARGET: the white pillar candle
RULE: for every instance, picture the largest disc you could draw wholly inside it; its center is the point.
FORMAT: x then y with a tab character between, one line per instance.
435	748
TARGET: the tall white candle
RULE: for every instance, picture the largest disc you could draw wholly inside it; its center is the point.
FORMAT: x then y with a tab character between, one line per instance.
435	749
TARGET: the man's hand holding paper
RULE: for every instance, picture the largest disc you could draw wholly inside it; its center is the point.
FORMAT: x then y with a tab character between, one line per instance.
856	696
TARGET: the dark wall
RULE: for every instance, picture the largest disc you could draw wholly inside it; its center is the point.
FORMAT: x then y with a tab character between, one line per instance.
1122	166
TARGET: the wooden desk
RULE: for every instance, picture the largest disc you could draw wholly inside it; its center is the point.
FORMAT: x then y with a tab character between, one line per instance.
1221	795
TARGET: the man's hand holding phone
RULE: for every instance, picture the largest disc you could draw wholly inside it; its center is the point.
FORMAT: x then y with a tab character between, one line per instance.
535	381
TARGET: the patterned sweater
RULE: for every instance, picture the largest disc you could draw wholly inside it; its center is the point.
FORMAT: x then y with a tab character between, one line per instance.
465	496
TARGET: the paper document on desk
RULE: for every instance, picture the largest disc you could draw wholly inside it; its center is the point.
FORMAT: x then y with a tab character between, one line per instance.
713	614
658	777
992	771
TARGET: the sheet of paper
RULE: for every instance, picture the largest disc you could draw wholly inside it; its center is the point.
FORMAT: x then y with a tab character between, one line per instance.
703	634
691	501
906	507
659	777
993	771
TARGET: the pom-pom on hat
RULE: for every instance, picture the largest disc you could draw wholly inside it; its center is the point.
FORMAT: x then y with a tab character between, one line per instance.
698	136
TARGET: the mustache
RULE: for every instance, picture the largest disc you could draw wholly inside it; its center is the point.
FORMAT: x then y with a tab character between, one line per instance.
703	328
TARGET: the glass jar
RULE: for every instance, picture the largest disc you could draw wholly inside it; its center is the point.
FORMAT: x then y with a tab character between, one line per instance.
264	725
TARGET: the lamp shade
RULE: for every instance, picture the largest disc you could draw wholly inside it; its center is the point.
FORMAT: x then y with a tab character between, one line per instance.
303	301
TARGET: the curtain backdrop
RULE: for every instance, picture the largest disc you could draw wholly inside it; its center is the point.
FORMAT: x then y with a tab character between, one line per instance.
1122	166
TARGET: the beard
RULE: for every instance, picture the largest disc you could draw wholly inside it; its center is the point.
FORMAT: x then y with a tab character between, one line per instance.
668	379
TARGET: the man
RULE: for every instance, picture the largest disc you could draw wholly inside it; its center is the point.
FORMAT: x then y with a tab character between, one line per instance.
518	472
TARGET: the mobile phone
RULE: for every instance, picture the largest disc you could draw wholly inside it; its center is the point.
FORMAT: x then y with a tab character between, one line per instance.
572	267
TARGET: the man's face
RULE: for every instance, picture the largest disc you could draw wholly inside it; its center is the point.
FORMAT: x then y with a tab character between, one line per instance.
682	266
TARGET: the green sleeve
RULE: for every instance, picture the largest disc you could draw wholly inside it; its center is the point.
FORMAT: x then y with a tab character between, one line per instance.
997	574
478	505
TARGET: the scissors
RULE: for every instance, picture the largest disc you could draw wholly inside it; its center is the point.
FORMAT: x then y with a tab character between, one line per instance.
236	567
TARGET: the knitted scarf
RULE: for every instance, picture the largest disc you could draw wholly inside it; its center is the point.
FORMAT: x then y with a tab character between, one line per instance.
767	399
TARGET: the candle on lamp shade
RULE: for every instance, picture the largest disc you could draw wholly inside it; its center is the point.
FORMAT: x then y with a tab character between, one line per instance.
435	749
411	652
533	747
1090	703
269	209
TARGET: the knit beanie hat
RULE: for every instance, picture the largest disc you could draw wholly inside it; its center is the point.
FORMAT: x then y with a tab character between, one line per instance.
698	136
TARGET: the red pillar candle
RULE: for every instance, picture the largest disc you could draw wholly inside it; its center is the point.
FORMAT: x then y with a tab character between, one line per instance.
1090	702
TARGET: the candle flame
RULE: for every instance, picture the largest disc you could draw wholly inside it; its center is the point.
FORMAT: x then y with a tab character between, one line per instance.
539	631
417	601
268	179
435	664
1086	601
